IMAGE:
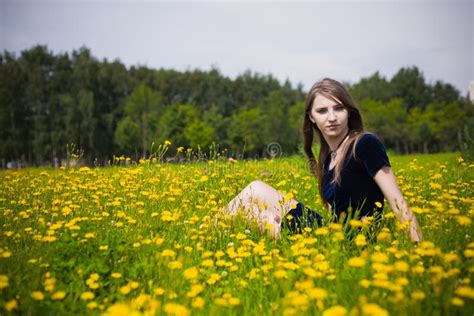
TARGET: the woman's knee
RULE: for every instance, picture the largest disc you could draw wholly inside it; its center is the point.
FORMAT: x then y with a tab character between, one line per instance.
257	185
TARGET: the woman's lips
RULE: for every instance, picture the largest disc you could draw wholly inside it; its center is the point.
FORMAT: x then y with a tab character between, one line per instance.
333	126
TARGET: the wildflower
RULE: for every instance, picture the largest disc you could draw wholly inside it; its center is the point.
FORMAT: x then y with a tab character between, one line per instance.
59	295
3	281
463	220
356	262
465	291
175	309
103	247
159	291
364	283
321	231
401	266
195	290
213	279
174	265
373	310
418	295
335	311
92	305
317	293
456	301
168	253
280	274
191	273
198	302
360	240
11	305
125	289
37	295
167	143
207	263
87	296
356	223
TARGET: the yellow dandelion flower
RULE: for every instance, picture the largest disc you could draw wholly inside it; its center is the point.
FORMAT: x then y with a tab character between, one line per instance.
360	240
3	281
335	311
456	301
191	273
198	302
465	291
37	295
59	295
463	220
418	295
159	291
207	263
317	293
175	265
11	305
87	296
356	262
175	309
321	231
168	253
280	274
116	275
373	310
364	283
125	289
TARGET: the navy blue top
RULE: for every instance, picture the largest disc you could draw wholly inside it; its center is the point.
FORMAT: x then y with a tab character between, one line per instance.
358	190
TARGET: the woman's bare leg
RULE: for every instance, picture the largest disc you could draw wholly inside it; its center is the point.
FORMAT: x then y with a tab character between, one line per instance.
263	203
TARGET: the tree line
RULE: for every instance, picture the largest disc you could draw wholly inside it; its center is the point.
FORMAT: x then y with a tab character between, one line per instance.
49	100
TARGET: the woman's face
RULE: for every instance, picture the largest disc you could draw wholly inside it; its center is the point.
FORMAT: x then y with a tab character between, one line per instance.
330	116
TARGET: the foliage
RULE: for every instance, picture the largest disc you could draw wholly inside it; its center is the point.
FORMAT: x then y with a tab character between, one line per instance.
47	101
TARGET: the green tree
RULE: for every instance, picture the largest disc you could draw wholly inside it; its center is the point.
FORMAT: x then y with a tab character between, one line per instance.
409	85
374	87
245	131
173	123
199	133
143	108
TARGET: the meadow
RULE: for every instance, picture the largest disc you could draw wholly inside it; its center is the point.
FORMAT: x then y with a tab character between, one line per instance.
141	239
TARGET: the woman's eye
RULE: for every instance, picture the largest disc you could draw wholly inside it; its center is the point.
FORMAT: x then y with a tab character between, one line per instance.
340	108
321	111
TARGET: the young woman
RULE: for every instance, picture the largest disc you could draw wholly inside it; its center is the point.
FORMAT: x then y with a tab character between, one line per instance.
352	168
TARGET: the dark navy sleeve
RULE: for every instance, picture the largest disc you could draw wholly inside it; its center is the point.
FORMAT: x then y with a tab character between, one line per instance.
371	153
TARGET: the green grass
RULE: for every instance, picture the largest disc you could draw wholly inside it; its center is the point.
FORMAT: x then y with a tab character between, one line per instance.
152	222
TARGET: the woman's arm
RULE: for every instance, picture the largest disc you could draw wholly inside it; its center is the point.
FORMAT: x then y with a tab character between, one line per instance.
387	182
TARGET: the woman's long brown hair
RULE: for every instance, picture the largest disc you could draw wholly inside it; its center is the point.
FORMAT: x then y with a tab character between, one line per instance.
333	90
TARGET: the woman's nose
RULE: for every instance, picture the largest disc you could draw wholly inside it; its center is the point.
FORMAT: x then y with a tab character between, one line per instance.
331	116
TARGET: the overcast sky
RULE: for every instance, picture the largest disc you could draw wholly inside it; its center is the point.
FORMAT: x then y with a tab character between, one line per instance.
301	41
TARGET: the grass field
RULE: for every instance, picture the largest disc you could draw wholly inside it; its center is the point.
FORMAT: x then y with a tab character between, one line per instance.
142	239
